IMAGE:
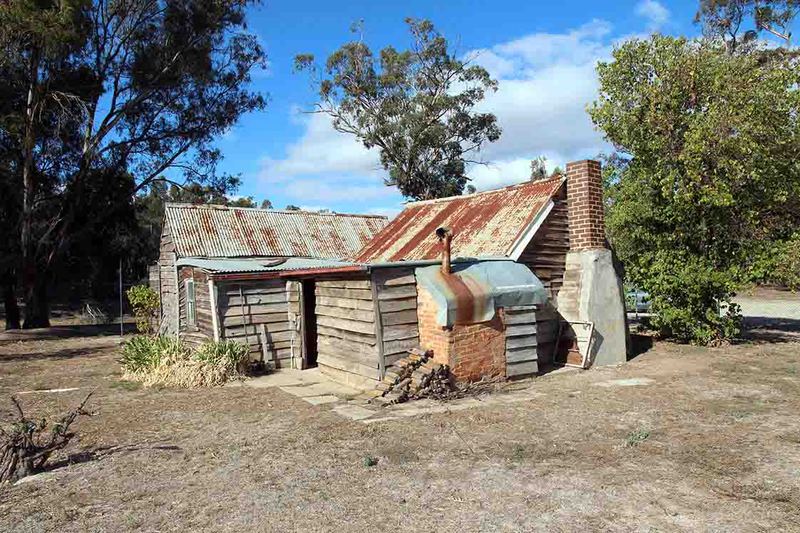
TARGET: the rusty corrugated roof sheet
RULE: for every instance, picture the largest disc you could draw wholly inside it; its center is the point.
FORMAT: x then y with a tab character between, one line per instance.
219	231
486	224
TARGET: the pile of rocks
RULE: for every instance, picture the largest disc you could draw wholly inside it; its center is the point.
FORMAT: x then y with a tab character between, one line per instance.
414	376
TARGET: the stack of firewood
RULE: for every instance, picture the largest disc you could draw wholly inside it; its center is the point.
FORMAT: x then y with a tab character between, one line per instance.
415	376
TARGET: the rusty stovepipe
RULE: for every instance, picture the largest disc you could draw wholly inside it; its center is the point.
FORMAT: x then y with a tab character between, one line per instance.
445	237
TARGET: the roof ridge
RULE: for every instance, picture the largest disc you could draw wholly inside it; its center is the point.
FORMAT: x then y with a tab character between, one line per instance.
488	191
218	207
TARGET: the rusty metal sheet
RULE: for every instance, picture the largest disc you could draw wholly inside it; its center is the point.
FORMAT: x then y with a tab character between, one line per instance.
473	292
219	231
486	224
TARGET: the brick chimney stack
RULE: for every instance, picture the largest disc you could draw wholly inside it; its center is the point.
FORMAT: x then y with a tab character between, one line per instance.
585	205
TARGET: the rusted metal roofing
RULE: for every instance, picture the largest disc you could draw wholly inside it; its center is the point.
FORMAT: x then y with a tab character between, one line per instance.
219	231
236	265
486	224
473	292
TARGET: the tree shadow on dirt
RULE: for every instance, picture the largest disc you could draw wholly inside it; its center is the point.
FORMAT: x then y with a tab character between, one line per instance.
64	332
66	353
771	330
99	453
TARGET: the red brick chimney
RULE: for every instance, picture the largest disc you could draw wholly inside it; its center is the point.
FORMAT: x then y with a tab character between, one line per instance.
585	205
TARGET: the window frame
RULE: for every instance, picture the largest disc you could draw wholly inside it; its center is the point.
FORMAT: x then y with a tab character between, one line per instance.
191	302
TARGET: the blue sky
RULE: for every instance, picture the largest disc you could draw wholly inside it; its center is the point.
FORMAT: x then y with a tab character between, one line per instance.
542	53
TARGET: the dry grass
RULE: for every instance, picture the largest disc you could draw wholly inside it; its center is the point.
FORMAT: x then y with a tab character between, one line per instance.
722	453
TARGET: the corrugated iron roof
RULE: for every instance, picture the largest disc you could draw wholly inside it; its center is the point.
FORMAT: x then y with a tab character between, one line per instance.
219	231
473	292
269	264
486	224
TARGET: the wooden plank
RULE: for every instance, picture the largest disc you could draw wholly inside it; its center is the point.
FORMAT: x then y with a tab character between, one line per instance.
400	331
404	279
520	342
345	283
350	346
378	322
390	306
399	292
252	326
522	369
349	335
341	312
347	303
519	330
275	308
399	317
272	318
254	299
348	378
354	294
273	336
331	348
328	359
232	288
347	325
520	355
520	318
399	346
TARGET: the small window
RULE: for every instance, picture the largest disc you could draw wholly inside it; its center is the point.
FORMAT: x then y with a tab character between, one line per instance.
190	303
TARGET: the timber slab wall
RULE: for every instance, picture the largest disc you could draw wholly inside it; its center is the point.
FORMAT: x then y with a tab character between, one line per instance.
396	291
168	284
347	348
257	314
546	255
202	330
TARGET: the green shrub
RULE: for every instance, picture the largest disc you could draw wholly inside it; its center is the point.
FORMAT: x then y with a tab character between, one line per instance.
687	295
144	302
143	353
165	360
787	267
230	355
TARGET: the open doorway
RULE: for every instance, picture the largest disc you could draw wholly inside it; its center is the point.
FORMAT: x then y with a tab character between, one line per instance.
309	324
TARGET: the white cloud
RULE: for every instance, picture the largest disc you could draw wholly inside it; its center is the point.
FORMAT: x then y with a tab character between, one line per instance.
320	149
546	81
654	13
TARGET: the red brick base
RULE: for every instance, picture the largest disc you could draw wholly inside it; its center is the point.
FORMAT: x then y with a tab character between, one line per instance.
471	351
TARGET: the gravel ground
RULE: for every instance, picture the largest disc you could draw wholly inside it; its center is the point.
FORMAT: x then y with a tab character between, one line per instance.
680	438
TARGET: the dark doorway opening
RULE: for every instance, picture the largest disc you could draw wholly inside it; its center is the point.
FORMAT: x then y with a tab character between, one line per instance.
309	324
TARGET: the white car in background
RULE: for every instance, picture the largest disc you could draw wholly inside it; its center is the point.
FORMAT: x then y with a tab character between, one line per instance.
637	301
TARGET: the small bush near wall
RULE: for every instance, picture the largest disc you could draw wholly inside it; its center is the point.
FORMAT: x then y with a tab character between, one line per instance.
163	360
144	301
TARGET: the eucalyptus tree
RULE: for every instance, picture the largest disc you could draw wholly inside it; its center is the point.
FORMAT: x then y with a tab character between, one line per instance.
128	88
416	106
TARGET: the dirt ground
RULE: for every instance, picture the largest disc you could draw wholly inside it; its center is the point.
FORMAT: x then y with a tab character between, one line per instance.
711	444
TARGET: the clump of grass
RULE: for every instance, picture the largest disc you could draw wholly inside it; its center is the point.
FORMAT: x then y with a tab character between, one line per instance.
168	361
370	461
636	437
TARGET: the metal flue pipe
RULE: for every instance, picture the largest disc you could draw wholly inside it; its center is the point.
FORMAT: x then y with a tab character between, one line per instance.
445	237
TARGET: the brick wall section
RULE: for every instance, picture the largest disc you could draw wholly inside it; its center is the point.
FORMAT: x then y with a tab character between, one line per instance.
585	201
472	351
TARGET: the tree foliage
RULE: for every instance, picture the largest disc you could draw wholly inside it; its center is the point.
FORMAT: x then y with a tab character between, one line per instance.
707	176
126	91
417	106
739	22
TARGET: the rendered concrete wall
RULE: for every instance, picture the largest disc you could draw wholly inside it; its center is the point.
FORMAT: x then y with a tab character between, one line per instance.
592	292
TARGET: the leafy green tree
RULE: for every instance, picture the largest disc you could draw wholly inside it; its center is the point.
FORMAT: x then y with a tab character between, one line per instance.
707	172
115	88
416	106
739	22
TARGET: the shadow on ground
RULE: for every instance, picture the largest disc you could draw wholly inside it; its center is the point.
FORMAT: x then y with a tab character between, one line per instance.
768	329
64	332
